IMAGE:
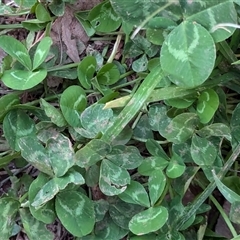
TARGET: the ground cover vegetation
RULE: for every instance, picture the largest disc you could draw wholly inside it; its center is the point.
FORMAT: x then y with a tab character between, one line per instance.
120	120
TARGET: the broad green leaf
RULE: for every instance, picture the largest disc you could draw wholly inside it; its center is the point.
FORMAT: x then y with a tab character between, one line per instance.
143	129
180	128
91	153
95	120
113	179
184	151
41	51
92	175
203	151
161	22
146	236
9	208
42	13
150	164
140	65
103	18
100	208
176	167
17	124
234	212
212	13
149	220
136	194
60	154
127	157
207	105
16	50
215	129
57	7
53	113
108	74
6	102
72	102
76	213
25	4
34	152
122	212
158	118
135	12
156	185
86	70
33	25
33	227
23	80
82	18
53	186
46	213
155	149
180	102
230	195
188	55
108	229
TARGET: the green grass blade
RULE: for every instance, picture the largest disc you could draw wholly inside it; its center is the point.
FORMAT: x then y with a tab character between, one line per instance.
134	105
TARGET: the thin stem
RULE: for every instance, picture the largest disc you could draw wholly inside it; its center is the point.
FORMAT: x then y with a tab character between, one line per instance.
11	26
67	66
115	48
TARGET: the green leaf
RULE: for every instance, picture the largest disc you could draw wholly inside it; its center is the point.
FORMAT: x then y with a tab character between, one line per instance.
150	164
53	113
108	229
183	55
6	102
215	129
230	195
86	70
211	14
143	128
203	151
16	50
100	207
41	52
35	153
136	194
33	227
108	74
135	12
75	213
53	186
60	154
207	105
42	14
17	124
140	65
9	208
91	153
103	18
176	167
180	103
127	157
156	185
180	128
23	80
113	179
46	213
122	212
57	7
95	120
149	220
92	176
234	213
155	149
73	101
